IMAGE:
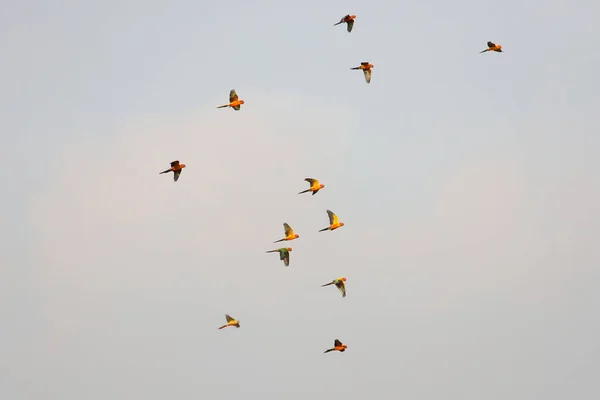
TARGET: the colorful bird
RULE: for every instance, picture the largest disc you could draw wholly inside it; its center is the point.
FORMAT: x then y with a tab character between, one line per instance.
230	322
333	221
338	346
339	283
289	233
315	186
176	168
349	20
233	101
492	47
366	67
284	254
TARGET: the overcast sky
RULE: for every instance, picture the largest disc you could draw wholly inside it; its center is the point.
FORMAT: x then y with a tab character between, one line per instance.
469	185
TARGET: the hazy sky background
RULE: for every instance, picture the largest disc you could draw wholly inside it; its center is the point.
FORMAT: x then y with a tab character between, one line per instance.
469	185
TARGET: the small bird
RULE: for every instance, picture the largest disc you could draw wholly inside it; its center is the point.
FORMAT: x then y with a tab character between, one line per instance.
284	254
349	20
339	283
176	168
338	346
366	67
233	101
333	221
230	322
289	233
315	186
492	47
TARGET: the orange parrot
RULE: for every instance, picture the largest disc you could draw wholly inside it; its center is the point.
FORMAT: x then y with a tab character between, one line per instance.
315	186
333	221
176	168
492	47
349	20
337	346
233	101
230	322
289	233
339	283
366	67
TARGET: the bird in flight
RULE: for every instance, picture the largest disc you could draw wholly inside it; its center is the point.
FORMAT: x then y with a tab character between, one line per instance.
366	68
230	322
176	168
284	254
233	101
349	20
492	47
339	283
315	186
289	233
333	221
337	346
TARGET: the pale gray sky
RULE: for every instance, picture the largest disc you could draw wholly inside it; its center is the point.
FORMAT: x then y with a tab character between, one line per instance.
469	185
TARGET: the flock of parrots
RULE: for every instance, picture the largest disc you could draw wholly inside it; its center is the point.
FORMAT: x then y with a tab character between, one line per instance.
334	223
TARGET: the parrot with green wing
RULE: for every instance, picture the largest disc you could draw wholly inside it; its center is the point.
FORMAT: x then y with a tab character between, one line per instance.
284	254
349	20
339	283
